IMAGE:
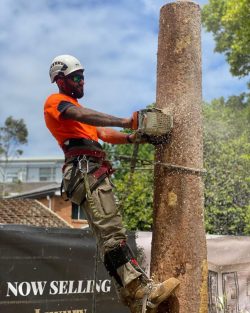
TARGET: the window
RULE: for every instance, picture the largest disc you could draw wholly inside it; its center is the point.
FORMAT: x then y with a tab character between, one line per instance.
231	291
213	292
11	175
77	212
47	174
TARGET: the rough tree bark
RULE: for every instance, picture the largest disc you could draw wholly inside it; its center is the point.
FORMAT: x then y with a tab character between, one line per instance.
179	242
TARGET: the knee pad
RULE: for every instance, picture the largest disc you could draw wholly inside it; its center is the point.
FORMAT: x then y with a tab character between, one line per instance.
116	258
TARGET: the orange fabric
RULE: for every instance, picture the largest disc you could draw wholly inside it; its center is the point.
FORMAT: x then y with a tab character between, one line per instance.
63	129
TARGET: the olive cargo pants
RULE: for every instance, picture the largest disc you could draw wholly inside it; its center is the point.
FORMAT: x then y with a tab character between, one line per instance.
103	217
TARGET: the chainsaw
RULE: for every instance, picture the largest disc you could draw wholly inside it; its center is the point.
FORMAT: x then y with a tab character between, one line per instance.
153	122
152	125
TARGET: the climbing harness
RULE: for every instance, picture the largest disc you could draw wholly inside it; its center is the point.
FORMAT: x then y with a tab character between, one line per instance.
90	153
89	177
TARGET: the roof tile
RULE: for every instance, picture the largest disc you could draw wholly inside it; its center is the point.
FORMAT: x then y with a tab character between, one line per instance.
29	212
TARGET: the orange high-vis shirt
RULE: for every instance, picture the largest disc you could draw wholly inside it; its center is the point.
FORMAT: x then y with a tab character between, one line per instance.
63	129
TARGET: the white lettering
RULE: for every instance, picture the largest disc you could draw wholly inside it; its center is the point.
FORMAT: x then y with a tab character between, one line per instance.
106	285
71	285
79	290
63	287
90	287
98	286
38	287
53	287
24	288
12	288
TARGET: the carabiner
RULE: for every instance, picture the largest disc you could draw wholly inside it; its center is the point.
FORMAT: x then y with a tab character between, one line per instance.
79	160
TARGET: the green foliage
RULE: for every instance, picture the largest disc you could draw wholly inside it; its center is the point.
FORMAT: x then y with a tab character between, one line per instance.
228	20
134	191
227	160
13	134
136	199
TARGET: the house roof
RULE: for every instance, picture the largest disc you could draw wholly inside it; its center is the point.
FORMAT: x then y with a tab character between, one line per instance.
29	212
227	250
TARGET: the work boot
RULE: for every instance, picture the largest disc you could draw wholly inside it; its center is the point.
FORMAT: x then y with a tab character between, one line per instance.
147	295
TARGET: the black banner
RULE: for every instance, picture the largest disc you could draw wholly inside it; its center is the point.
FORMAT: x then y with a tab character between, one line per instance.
44	270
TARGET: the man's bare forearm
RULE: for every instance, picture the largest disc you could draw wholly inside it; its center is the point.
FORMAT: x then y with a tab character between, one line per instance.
95	118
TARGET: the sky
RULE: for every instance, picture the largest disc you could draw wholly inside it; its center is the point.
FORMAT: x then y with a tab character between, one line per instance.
115	40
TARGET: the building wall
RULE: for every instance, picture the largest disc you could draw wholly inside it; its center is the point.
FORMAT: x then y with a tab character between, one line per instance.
28	170
233	287
63	209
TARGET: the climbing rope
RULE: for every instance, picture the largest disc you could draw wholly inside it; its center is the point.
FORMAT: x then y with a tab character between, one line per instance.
95	276
180	168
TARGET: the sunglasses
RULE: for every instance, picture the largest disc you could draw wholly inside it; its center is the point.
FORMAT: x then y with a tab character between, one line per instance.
76	78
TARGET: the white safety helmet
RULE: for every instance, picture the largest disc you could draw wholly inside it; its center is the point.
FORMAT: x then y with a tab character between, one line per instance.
64	64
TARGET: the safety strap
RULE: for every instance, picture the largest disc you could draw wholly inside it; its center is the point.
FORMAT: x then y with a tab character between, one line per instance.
80	142
79	152
100	174
105	168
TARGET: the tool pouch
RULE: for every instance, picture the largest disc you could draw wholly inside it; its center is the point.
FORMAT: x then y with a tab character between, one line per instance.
73	180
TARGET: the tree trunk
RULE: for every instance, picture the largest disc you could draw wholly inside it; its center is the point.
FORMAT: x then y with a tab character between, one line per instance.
179	242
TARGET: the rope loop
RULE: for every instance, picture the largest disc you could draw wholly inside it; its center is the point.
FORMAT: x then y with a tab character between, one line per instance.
175	167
